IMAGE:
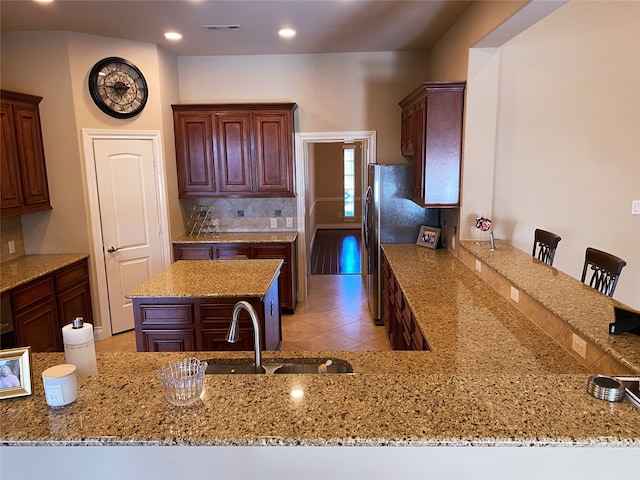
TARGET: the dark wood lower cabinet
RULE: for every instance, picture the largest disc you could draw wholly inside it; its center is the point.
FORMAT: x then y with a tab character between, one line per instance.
201	324
399	321
232	251
43	306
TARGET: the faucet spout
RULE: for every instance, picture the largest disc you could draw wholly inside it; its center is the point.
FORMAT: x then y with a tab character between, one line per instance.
233	335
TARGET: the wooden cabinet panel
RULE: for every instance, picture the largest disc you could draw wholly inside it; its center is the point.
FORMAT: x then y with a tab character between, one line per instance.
194	148
193	252
24	183
272	144
233	151
43	306
401	325
250	150
201	324
431	133
232	251
168	341
38	327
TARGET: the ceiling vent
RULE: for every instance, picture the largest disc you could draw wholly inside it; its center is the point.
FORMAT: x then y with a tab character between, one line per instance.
215	28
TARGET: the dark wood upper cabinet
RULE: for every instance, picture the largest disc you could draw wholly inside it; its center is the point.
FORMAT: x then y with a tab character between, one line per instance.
234	150
431	133
24	187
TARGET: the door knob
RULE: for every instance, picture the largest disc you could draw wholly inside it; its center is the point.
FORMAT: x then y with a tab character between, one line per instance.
112	250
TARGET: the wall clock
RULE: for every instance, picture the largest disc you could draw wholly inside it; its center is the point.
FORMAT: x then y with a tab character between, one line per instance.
118	87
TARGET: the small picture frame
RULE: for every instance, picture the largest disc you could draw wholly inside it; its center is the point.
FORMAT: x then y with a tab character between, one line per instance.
15	372
429	237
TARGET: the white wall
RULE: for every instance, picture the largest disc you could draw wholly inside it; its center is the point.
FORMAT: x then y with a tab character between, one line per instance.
334	92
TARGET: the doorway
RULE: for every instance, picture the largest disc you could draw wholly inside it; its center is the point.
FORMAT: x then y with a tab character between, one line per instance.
304	158
129	221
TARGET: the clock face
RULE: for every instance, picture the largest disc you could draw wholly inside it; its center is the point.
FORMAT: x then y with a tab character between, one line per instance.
117	87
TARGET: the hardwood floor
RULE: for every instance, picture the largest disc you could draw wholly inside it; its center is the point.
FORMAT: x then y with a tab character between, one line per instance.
335	317
336	252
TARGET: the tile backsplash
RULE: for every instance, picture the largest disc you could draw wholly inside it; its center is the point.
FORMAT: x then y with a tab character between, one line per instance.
11	231
244	214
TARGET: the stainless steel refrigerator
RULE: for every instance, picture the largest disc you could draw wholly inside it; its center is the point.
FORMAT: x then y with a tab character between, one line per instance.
388	217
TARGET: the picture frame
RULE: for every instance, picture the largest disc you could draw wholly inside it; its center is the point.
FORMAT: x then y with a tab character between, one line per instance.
15	373
428	237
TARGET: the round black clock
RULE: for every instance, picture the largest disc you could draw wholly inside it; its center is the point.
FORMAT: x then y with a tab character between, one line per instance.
118	88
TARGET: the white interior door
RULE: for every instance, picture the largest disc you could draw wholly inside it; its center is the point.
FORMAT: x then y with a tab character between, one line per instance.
131	226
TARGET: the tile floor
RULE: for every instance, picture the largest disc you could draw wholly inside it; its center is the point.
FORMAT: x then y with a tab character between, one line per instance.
334	317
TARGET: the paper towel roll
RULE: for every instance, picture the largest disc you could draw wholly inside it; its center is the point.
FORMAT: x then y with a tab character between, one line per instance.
79	347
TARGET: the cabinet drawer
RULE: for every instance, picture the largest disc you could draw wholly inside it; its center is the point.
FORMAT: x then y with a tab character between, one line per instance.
270	251
72	275
193	253
230	252
166	314
32	292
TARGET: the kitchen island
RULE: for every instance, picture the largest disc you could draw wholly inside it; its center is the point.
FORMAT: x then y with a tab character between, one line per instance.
189	305
494	397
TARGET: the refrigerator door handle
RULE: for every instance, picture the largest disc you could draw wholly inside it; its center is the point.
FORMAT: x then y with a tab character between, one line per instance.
368	204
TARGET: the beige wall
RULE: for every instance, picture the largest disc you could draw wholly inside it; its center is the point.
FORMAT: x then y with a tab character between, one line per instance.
56	65
334	92
328	201
552	131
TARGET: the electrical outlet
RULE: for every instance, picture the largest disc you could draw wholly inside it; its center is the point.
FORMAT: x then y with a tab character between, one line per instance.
12	246
478	265
579	346
274	223
635	207
515	294
453	242
289	222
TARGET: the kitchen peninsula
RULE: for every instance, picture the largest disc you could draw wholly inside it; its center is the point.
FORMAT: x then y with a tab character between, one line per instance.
490	379
188	306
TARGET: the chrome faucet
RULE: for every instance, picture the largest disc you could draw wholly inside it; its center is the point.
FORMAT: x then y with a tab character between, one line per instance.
233	335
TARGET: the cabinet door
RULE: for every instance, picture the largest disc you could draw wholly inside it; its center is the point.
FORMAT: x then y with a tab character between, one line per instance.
35	189
75	302
168	341
11	189
272	134
215	319
233	151
37	327
194	154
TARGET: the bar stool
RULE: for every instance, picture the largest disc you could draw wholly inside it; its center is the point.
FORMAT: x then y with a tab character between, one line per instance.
546	244
606	270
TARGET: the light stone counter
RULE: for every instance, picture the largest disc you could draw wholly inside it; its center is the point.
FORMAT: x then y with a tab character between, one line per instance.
211	279
29	267
241	237
490	379
578	307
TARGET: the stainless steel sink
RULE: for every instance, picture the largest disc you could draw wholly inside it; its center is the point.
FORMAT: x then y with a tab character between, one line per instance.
282	366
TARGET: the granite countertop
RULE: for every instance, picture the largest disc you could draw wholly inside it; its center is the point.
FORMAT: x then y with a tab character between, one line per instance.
241	237
211	279
29	267
586	310
490	379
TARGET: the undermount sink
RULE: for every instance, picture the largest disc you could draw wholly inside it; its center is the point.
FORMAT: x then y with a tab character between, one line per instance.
282	366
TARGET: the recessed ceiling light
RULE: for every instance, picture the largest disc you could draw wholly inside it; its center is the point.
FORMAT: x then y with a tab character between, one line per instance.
287	33
172	36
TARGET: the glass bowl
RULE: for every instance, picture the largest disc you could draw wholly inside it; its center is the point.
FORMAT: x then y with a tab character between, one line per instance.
183	381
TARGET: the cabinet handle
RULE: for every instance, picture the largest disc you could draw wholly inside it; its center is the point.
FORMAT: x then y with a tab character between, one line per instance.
112	250
271	307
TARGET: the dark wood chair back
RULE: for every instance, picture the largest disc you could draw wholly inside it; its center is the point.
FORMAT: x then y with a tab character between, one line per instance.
544	245
606	270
